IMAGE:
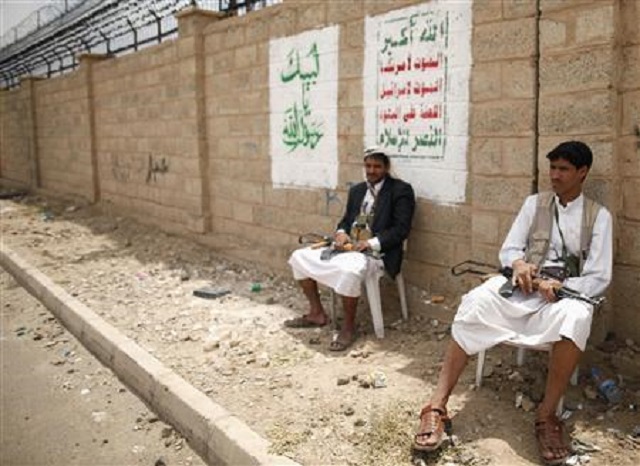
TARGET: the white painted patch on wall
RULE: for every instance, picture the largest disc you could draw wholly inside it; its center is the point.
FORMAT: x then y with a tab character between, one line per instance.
303	104
416	94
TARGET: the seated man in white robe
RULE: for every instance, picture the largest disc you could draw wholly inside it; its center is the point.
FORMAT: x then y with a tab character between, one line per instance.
565	234
376	222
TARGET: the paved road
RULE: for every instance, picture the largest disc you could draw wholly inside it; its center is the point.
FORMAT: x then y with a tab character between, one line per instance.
60	406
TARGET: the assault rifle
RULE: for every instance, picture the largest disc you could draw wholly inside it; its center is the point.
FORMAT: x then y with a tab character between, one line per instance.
506	290
318	240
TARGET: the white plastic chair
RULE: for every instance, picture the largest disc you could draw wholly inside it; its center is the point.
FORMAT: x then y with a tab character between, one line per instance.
520	362
372	286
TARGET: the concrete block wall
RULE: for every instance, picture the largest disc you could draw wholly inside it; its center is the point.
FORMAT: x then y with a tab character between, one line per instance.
63	134
503	121
16	140
244	203
146	135
180	134
626	288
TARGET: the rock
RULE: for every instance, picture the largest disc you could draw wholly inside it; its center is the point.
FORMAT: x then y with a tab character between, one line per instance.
314	340
360	422
437	299
378	379
516	377
519	397
349	411
527	404
487	370
166	432
210	344
364	382
263	360
160	462
343	381
98	416
590	393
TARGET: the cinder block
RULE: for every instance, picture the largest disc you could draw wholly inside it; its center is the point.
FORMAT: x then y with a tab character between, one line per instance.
344	12
306	201
214	40
595	24
499	194
283	22
485	227
351	32
518	157
259	29
275	197
630	15
311	15
486	11
625	291
519	8
629	156
504	40
577	71
350	93
579	113
242	212
247	191
628	252
350	64
631	67
245	57
486	156
432	248
518	79
631	199
486	82
504	118
602	190
631	111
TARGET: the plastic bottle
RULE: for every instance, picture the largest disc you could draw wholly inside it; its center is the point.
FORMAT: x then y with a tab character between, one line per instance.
607	387
256	287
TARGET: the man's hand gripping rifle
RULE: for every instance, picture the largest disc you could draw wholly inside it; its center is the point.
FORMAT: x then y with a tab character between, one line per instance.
317	240
506	290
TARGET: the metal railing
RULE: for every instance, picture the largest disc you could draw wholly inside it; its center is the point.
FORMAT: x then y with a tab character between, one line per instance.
112	27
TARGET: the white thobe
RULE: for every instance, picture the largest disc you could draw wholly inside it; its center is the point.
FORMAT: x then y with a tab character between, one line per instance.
345	271
485	318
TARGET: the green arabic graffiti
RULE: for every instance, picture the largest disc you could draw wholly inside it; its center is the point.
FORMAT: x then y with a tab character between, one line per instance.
300	128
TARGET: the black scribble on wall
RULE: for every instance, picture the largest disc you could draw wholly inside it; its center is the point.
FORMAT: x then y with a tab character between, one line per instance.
156	166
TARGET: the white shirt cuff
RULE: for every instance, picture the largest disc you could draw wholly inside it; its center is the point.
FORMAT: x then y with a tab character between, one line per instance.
374	244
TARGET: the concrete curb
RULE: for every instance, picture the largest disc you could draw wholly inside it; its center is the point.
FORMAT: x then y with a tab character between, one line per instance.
215	434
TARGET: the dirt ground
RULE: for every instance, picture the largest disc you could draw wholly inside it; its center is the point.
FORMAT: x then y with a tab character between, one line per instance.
316	407
66	408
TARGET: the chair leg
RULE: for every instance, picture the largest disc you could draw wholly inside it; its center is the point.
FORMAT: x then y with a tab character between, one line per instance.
372	286
560	407
403	296
480	368
574	377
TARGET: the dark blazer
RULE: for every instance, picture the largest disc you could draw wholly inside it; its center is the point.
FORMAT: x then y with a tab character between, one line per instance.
392	218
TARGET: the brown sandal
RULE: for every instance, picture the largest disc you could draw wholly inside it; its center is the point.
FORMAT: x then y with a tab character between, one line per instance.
551	442
434	423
